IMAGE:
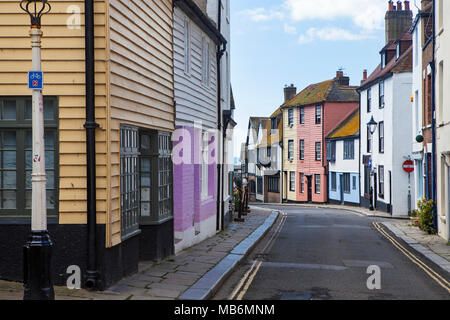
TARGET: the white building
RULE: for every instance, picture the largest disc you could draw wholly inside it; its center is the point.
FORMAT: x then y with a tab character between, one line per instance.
219	12
198	213
386	98
442	61
343	162
421	136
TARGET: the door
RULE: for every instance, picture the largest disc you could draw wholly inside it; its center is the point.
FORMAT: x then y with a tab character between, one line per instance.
341	187
390	192
375	190
309	178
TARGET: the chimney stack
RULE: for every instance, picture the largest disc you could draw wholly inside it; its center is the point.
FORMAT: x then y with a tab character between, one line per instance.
289	92
341	79
365	75
397	20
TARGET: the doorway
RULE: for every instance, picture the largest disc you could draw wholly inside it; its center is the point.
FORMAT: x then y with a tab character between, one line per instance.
309	181
341	187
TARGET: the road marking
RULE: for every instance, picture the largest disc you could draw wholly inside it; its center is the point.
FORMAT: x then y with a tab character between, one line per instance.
251	273
434	275
303	266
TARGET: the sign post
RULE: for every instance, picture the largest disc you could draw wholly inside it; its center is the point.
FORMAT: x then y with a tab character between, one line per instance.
408	167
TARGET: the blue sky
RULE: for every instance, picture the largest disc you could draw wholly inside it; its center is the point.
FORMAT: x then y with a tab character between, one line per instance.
278	42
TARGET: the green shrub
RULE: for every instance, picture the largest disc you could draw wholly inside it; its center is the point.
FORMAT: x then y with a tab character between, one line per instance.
425	214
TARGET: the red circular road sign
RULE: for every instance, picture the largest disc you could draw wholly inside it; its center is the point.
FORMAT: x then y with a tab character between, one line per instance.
408	166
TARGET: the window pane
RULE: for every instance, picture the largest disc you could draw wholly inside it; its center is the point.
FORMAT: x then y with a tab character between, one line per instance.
9	110
50	175
51	199
8	199
49	110
9	180
28	112
9	159
28	199
49	159
28	179
9	140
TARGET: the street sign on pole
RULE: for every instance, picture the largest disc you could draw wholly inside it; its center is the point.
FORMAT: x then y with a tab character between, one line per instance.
35	80
408	166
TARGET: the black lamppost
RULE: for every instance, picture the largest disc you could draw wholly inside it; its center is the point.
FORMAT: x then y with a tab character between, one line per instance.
372	125
37	251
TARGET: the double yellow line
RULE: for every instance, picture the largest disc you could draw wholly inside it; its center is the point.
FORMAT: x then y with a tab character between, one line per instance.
433	274
241	289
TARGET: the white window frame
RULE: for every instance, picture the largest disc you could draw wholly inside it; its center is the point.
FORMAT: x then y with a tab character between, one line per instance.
187	46
206	62
292	181
205	165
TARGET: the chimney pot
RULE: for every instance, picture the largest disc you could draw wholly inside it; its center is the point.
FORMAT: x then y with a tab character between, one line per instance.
407	7
391	5
399	6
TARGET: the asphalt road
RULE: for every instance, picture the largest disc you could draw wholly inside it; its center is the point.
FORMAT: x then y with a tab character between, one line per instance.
324	254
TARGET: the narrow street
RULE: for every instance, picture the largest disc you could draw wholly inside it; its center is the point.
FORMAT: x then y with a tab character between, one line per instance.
323	254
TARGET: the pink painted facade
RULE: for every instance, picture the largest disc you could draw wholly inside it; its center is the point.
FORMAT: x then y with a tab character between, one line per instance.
332	113
190	210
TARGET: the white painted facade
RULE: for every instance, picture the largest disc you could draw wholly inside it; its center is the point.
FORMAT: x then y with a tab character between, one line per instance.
195	90
417	114
397	118
195	100
341	165
443	116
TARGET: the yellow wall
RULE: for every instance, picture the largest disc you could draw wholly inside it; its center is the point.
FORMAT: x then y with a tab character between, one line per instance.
134	84
288	166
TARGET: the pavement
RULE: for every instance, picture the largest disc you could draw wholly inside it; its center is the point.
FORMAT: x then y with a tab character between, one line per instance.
193	274
325	253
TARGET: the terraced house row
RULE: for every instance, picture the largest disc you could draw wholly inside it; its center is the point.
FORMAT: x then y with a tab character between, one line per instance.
162	85
382	144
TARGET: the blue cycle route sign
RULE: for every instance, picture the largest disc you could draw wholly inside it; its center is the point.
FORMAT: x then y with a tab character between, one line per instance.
35	80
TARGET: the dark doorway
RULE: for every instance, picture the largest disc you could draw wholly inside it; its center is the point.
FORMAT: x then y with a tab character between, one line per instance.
341	187
375	191
390	192
309	179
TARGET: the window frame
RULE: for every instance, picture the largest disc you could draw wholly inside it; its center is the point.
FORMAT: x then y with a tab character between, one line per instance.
381	182
349	152
290	117
302	186
381	137
318	151
273	184
346	188
302	149
21	126
317	184
333	181
302	115
318	115
381	94
259	185
331	150
292	181
291	152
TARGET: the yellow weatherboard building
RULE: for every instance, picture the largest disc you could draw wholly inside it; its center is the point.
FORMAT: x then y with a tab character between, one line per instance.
134	108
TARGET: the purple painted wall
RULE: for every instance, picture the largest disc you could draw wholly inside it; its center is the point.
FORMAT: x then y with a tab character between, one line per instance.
188	206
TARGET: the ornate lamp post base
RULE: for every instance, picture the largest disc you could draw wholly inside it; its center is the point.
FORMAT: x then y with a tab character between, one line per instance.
37	266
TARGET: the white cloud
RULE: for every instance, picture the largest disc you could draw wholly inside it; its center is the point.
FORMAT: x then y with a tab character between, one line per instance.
330	34
261	14
289	29
366	14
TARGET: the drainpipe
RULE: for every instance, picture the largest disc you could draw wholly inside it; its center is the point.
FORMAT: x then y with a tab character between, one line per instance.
90	125
220	52
433	120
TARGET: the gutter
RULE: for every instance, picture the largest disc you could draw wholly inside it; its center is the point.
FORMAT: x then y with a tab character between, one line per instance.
433	122
92	274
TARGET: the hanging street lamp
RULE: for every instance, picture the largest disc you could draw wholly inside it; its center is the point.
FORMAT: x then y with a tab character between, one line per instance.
37	251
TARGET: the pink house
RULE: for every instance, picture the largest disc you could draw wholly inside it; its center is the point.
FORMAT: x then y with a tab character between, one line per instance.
319	109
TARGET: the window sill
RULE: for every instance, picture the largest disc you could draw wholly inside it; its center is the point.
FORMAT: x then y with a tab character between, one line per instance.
205	198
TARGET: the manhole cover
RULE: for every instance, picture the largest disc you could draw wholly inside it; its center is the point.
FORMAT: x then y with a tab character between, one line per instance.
296	296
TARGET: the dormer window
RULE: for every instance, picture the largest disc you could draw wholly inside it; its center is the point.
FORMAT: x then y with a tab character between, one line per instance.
398	50
383	60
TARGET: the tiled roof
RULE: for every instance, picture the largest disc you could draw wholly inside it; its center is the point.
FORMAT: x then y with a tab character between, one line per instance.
328	90
402	64
347	128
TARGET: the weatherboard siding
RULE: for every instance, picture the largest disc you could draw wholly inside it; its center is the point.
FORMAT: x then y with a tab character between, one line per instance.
63	63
